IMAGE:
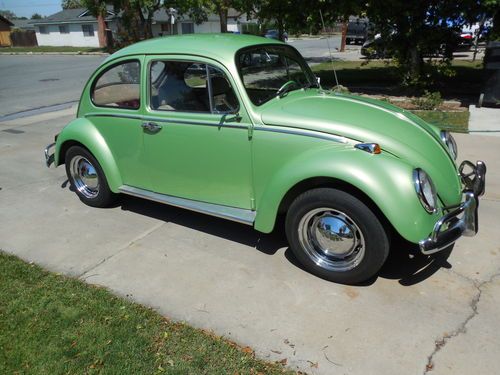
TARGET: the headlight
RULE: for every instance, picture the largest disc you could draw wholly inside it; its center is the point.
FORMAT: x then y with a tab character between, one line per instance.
425	190
449	141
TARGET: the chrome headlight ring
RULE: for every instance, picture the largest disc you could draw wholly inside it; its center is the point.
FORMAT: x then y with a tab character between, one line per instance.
450	143
425	189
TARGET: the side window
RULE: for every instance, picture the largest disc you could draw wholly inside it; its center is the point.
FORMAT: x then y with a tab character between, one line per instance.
184	86
118	87
224	99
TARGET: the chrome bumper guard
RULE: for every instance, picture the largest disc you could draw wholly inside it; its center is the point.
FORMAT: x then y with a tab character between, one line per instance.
49	158
451	227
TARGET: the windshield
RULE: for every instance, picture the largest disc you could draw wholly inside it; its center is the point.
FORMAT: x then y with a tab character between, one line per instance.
271	70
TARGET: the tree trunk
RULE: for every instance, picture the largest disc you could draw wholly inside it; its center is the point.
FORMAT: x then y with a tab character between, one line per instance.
223	20
344	35
415	62
101	31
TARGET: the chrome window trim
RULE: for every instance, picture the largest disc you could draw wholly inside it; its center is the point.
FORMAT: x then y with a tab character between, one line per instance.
239	215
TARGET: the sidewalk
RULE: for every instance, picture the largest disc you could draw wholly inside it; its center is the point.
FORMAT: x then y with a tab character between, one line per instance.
484	121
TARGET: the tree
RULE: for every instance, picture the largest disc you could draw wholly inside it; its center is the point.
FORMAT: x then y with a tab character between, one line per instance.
8	14
415	29
36	16
71	4
98	9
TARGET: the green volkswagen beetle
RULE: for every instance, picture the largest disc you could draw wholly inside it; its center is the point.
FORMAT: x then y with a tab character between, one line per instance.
238	127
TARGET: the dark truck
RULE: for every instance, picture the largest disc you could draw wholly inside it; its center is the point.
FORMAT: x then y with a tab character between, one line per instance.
357	30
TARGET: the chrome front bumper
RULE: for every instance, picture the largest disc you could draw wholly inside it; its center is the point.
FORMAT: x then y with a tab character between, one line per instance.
462	220
49	157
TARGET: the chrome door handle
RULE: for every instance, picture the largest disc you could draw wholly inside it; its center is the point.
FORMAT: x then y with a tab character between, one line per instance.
151	127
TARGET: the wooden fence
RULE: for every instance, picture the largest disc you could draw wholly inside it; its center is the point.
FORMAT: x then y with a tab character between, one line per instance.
23	38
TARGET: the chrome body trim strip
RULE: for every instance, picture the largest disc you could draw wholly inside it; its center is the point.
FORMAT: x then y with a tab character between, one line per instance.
302	132
266	128
239	215
168	121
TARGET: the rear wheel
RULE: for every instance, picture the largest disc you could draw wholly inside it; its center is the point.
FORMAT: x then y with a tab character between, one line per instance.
87	178
336	236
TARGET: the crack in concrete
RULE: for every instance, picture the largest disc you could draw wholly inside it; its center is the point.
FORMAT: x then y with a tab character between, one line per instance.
462	327
130	243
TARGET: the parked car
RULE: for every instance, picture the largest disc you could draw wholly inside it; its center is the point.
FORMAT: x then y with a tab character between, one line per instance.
274	34
379	48
237	127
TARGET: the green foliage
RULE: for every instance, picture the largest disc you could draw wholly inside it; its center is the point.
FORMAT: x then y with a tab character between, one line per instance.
428	101
52	324
36	16
71	4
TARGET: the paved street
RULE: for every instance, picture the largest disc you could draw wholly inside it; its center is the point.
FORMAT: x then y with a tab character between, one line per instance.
41	80
435	312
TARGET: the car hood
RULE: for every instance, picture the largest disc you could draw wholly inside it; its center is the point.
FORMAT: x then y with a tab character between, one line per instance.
397	131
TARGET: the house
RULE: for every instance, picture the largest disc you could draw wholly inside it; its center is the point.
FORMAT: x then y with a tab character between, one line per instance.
5	26
71	27
78	28
172	24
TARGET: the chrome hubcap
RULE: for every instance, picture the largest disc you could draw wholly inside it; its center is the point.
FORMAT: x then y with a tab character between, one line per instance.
84	176
331	239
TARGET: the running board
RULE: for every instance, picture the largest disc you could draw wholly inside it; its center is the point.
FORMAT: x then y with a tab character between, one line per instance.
239	215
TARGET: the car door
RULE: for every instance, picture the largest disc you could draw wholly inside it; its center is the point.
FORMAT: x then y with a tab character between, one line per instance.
198	145
115	108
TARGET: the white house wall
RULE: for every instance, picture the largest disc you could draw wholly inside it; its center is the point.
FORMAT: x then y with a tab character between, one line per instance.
74	38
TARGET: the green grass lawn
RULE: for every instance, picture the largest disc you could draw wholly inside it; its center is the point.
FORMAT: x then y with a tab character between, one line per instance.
453	121
50	49
52	324
466	80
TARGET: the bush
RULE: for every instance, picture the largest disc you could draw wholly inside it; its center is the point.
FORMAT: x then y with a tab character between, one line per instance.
429	101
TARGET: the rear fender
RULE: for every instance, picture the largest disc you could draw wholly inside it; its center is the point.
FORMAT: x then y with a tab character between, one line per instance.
82	131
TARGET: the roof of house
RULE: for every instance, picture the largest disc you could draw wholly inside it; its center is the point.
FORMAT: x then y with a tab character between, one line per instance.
23	24
5	20
77	15
221	46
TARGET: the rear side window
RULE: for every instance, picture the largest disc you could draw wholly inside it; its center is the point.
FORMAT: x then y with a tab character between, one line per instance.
118	86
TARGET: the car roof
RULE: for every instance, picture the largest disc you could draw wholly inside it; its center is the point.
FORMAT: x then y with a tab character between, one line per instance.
222	46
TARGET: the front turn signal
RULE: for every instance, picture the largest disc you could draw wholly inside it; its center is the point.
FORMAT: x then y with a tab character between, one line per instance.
372	148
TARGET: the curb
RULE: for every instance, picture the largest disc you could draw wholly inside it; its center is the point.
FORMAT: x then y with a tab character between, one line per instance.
56	53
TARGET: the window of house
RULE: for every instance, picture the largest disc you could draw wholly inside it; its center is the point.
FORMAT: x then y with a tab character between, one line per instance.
168	29
187	28
119	86
63	29
185	87
43	29
88	30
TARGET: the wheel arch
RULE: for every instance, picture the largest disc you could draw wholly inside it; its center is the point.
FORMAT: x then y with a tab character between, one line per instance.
83	133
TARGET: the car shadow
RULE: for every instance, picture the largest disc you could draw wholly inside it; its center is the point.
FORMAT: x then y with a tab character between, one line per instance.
405	263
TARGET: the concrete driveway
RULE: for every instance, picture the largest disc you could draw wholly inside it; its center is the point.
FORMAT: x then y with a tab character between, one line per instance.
437	315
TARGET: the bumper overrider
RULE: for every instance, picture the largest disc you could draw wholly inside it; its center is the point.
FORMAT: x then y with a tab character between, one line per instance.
461	220
49	157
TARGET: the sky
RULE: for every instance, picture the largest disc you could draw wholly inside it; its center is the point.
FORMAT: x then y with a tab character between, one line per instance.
25	8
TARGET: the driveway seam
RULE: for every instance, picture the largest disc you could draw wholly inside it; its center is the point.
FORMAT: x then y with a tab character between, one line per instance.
462	327
130	243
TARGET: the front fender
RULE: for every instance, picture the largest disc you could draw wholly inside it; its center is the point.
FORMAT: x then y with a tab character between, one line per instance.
385	179
83	131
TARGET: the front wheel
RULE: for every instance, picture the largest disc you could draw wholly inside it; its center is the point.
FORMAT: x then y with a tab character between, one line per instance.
336	236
